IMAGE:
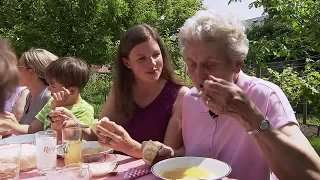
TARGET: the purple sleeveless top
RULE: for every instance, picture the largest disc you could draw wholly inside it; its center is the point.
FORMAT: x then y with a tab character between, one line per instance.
150	123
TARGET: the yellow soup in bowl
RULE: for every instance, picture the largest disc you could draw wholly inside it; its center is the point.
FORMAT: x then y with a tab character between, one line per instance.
181	173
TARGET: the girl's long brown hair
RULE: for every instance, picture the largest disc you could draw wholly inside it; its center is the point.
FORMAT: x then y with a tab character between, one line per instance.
124	79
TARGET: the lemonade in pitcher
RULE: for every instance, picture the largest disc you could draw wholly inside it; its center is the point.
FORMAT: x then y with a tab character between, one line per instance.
73	151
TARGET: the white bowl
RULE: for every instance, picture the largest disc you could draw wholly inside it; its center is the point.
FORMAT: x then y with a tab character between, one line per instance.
216	168
22	139
103	168
88	144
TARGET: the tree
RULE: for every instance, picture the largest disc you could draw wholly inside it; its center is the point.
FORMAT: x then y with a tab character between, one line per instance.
89	29
289	31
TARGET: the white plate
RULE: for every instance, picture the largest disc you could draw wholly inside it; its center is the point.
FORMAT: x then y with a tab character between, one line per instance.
216	168
23	139
86	144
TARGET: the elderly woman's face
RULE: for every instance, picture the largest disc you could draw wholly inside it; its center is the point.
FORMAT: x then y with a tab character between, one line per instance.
208	59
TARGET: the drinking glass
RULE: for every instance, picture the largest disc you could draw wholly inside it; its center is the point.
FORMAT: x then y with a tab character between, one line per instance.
46	142
76	171
71	138
10	161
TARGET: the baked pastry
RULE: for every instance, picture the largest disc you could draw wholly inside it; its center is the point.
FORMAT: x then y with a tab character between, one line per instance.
150	152
28	158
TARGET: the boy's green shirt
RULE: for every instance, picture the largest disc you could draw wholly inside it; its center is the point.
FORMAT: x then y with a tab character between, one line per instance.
83	111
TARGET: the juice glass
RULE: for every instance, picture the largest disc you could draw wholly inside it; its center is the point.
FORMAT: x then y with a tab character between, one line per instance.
71	138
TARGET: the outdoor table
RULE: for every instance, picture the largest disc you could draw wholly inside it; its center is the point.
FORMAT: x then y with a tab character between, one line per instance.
125	163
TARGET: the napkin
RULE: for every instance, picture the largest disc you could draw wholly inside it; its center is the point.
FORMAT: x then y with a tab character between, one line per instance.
136	172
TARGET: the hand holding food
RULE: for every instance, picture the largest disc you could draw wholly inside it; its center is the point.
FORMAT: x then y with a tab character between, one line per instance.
154	151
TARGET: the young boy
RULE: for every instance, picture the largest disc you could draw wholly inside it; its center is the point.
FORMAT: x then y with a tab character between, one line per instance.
66	77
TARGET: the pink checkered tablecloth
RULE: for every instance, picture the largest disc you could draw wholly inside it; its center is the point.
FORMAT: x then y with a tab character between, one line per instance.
129	167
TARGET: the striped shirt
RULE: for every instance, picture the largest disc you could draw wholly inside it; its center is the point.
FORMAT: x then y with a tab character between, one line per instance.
83	111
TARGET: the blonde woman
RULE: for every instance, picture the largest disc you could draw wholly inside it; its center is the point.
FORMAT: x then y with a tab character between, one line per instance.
31	67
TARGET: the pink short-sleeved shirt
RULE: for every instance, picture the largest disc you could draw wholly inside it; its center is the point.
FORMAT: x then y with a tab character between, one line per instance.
224	138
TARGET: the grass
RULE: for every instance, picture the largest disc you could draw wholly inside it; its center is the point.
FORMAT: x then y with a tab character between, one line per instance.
315	142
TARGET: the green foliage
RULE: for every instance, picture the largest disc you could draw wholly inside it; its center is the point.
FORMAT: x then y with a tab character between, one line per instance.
89	29
288	32
96	91
299	85
315	142
312	119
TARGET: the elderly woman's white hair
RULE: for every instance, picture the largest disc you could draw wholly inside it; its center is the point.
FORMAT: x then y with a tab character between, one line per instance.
209	26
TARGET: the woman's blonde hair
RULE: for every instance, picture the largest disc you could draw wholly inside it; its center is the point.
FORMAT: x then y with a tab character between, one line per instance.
208	26
38	59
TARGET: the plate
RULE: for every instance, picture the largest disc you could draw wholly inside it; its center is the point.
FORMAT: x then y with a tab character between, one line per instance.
22	139
85	145
216	168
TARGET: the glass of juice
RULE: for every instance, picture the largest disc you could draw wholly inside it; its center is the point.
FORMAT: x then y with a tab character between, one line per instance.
71	138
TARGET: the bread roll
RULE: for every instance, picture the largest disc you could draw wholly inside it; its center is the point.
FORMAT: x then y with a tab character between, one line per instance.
150	152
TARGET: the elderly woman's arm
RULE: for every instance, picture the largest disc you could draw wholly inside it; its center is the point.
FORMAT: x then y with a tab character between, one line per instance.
286	150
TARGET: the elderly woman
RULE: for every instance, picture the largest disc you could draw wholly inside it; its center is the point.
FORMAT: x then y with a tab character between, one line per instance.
255	131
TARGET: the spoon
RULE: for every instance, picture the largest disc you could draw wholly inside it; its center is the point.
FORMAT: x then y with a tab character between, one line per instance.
79	124
114	170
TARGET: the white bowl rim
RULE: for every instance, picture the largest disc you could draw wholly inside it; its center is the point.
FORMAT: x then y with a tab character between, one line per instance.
186	157
103	152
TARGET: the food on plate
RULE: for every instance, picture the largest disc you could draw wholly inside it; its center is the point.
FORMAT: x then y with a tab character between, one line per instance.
8	170
188	173
8	167
150	152
94	124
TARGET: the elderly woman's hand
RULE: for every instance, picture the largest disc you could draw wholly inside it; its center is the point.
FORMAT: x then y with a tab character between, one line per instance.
225	98
115	136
